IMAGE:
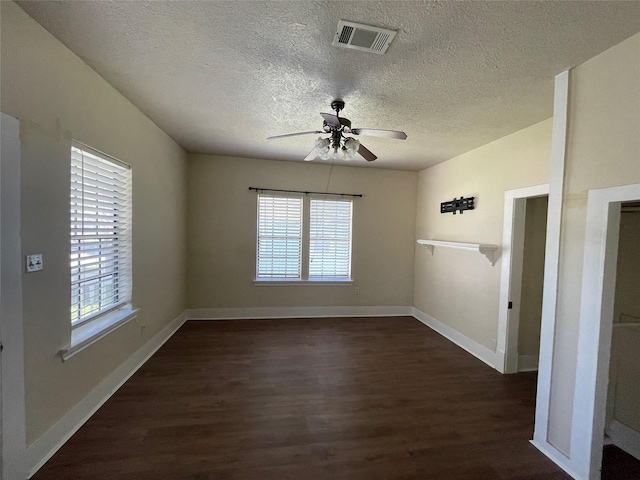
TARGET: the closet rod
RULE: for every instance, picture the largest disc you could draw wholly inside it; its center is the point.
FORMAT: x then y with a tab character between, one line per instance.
306	193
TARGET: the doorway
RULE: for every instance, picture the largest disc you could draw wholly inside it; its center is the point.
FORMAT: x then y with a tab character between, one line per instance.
622	426
596	325
521	284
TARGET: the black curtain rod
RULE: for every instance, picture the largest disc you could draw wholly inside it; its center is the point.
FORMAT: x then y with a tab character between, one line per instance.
306	193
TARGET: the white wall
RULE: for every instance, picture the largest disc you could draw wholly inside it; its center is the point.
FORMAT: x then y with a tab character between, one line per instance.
603	150
461	288
12	430
58	98
222	233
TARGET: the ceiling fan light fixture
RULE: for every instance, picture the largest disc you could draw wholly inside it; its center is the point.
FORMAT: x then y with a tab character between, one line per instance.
350	147
322	147
344	150
339	146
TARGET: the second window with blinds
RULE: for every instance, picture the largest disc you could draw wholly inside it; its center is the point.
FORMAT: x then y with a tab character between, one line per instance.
100	234
303	238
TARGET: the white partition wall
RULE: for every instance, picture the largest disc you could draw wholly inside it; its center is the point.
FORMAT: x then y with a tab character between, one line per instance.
12	419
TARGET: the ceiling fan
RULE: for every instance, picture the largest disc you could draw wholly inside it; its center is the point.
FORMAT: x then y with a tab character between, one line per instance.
339	145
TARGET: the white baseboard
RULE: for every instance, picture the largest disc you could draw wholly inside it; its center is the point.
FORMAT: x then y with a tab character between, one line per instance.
50	442
501	358
481	352
625	438
557	457
528	363
295	312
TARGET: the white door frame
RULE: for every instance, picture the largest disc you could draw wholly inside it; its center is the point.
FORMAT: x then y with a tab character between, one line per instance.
12	415
596	325
511	275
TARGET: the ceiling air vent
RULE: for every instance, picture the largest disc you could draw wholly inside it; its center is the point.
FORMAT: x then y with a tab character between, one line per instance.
363	37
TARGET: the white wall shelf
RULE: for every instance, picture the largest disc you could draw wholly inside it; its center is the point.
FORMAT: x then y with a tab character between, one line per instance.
488	251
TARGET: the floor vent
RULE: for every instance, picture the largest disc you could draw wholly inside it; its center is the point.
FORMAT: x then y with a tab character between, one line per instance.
363	37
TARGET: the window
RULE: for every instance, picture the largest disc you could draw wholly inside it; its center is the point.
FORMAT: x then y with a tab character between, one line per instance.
291	248
100	234
279	237
330	239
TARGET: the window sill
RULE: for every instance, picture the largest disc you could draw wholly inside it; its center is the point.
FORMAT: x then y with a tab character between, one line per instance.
302	283
89	333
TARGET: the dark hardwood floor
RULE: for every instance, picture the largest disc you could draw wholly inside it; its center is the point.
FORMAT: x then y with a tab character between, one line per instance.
619	465
366	398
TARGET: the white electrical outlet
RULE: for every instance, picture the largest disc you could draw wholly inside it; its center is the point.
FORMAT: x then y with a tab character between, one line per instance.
356	291
33	263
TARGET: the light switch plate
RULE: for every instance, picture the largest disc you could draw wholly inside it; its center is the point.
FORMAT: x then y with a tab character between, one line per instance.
34	263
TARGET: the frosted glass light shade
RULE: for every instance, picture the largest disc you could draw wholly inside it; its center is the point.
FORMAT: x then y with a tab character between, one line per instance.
322	146
351	146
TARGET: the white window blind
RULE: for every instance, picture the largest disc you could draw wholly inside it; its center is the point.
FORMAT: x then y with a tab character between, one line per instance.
279	237
330	239
100	234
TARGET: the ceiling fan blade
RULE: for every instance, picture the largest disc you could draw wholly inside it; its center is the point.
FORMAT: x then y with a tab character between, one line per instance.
372	132
294	134
331	119
366	153
312	155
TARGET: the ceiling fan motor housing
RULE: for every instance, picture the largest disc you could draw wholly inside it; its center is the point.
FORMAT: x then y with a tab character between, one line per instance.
337	105
344	122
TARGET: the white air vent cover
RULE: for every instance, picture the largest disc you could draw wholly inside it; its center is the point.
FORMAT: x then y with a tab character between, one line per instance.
363	37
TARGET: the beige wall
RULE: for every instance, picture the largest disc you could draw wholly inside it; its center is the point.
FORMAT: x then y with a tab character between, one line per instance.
624	377
58	98
457	287
222	232
535	230
603	150
627	301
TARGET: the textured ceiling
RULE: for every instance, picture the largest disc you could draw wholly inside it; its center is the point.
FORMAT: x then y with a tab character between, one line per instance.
220	77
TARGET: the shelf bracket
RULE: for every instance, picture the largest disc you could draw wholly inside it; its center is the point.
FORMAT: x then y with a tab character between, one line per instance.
490	253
